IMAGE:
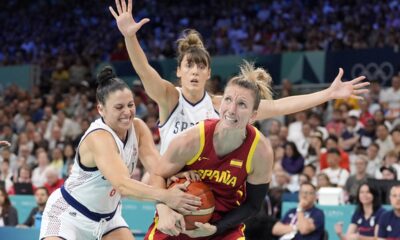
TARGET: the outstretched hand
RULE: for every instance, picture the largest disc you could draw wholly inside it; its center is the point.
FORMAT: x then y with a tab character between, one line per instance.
345	90
126	24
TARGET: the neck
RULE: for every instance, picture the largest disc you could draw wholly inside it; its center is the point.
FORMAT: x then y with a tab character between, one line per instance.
360	175
367	209
397	212
235	136
192	96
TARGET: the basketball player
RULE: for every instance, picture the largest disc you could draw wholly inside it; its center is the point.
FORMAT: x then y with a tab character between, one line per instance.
180	108
231	156
88	205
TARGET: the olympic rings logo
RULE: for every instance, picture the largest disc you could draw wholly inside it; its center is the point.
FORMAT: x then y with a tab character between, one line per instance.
373	71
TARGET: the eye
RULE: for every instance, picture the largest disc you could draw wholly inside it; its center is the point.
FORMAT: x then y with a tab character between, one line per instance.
202	66
242	105
228	99
131	105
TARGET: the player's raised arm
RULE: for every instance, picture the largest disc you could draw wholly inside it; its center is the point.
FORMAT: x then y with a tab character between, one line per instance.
160	90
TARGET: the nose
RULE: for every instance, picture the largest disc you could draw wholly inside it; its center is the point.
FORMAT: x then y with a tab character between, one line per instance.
195	69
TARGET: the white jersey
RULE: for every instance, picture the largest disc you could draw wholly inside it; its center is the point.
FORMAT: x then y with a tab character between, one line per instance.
185	115
88	186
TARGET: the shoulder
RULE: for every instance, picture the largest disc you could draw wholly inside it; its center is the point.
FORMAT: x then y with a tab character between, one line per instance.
138	124
264	148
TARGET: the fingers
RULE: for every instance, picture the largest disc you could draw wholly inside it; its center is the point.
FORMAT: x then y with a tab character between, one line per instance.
360	91
143	21
357	79
340	74
182	223
123	5
118	7
361	85
356	97
113	12
130	6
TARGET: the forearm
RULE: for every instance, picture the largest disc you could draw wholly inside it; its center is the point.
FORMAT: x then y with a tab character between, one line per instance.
292	104
137	190
136	54
252	205
280	229
304	225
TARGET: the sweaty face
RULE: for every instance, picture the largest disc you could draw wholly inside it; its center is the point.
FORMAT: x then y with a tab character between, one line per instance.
193	75
236	108
119	110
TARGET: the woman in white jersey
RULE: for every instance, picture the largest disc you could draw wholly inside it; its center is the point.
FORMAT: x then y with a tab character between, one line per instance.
88	205
183	107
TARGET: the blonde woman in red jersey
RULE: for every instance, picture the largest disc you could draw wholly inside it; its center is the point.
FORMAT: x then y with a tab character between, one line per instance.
230	155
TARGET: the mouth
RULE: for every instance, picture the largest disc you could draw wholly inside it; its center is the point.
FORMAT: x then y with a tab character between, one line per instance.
194	81
231	119
125	120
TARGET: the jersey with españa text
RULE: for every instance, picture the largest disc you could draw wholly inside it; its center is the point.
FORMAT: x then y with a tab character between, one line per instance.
185	115
226	175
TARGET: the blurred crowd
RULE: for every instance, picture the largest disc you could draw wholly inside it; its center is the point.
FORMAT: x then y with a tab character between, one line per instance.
53	33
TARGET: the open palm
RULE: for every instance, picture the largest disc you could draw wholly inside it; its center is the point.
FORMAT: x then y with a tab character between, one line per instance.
126	24
344	90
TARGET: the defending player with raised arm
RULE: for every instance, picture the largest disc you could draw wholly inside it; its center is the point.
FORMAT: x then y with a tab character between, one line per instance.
88	204
231	156
194	70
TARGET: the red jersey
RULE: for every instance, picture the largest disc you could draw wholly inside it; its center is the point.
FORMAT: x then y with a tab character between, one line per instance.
225	175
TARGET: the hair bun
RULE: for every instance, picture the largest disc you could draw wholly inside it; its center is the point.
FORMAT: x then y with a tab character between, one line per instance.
105	75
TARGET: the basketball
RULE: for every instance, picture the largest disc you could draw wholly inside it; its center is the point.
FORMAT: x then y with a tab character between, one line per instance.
206	209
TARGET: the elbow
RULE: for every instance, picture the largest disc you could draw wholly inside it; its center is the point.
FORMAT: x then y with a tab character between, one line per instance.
122	186
304	230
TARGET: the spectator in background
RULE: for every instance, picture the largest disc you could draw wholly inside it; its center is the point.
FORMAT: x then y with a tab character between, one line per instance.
379	118
35	216
311	171
350	136
355	180
388	173
315	149
304	222
364	222
39	173
323	181
390	221
6	175
69	155
332	142
24	176
367	135
57	160
395	134
337	175
292	161
53	181
391	96
336	125
8	214
391	159
384	140
374	162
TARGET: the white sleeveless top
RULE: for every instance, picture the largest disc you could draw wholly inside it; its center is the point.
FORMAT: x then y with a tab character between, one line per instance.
185	115
88	186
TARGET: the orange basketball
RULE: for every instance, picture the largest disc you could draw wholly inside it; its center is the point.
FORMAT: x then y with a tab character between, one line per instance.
206	209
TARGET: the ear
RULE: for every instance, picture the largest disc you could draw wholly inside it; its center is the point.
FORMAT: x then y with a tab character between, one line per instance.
178	72
100	109
253	117
209	74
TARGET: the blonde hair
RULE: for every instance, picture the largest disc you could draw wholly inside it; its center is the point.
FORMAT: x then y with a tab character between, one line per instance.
256	79
192	45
